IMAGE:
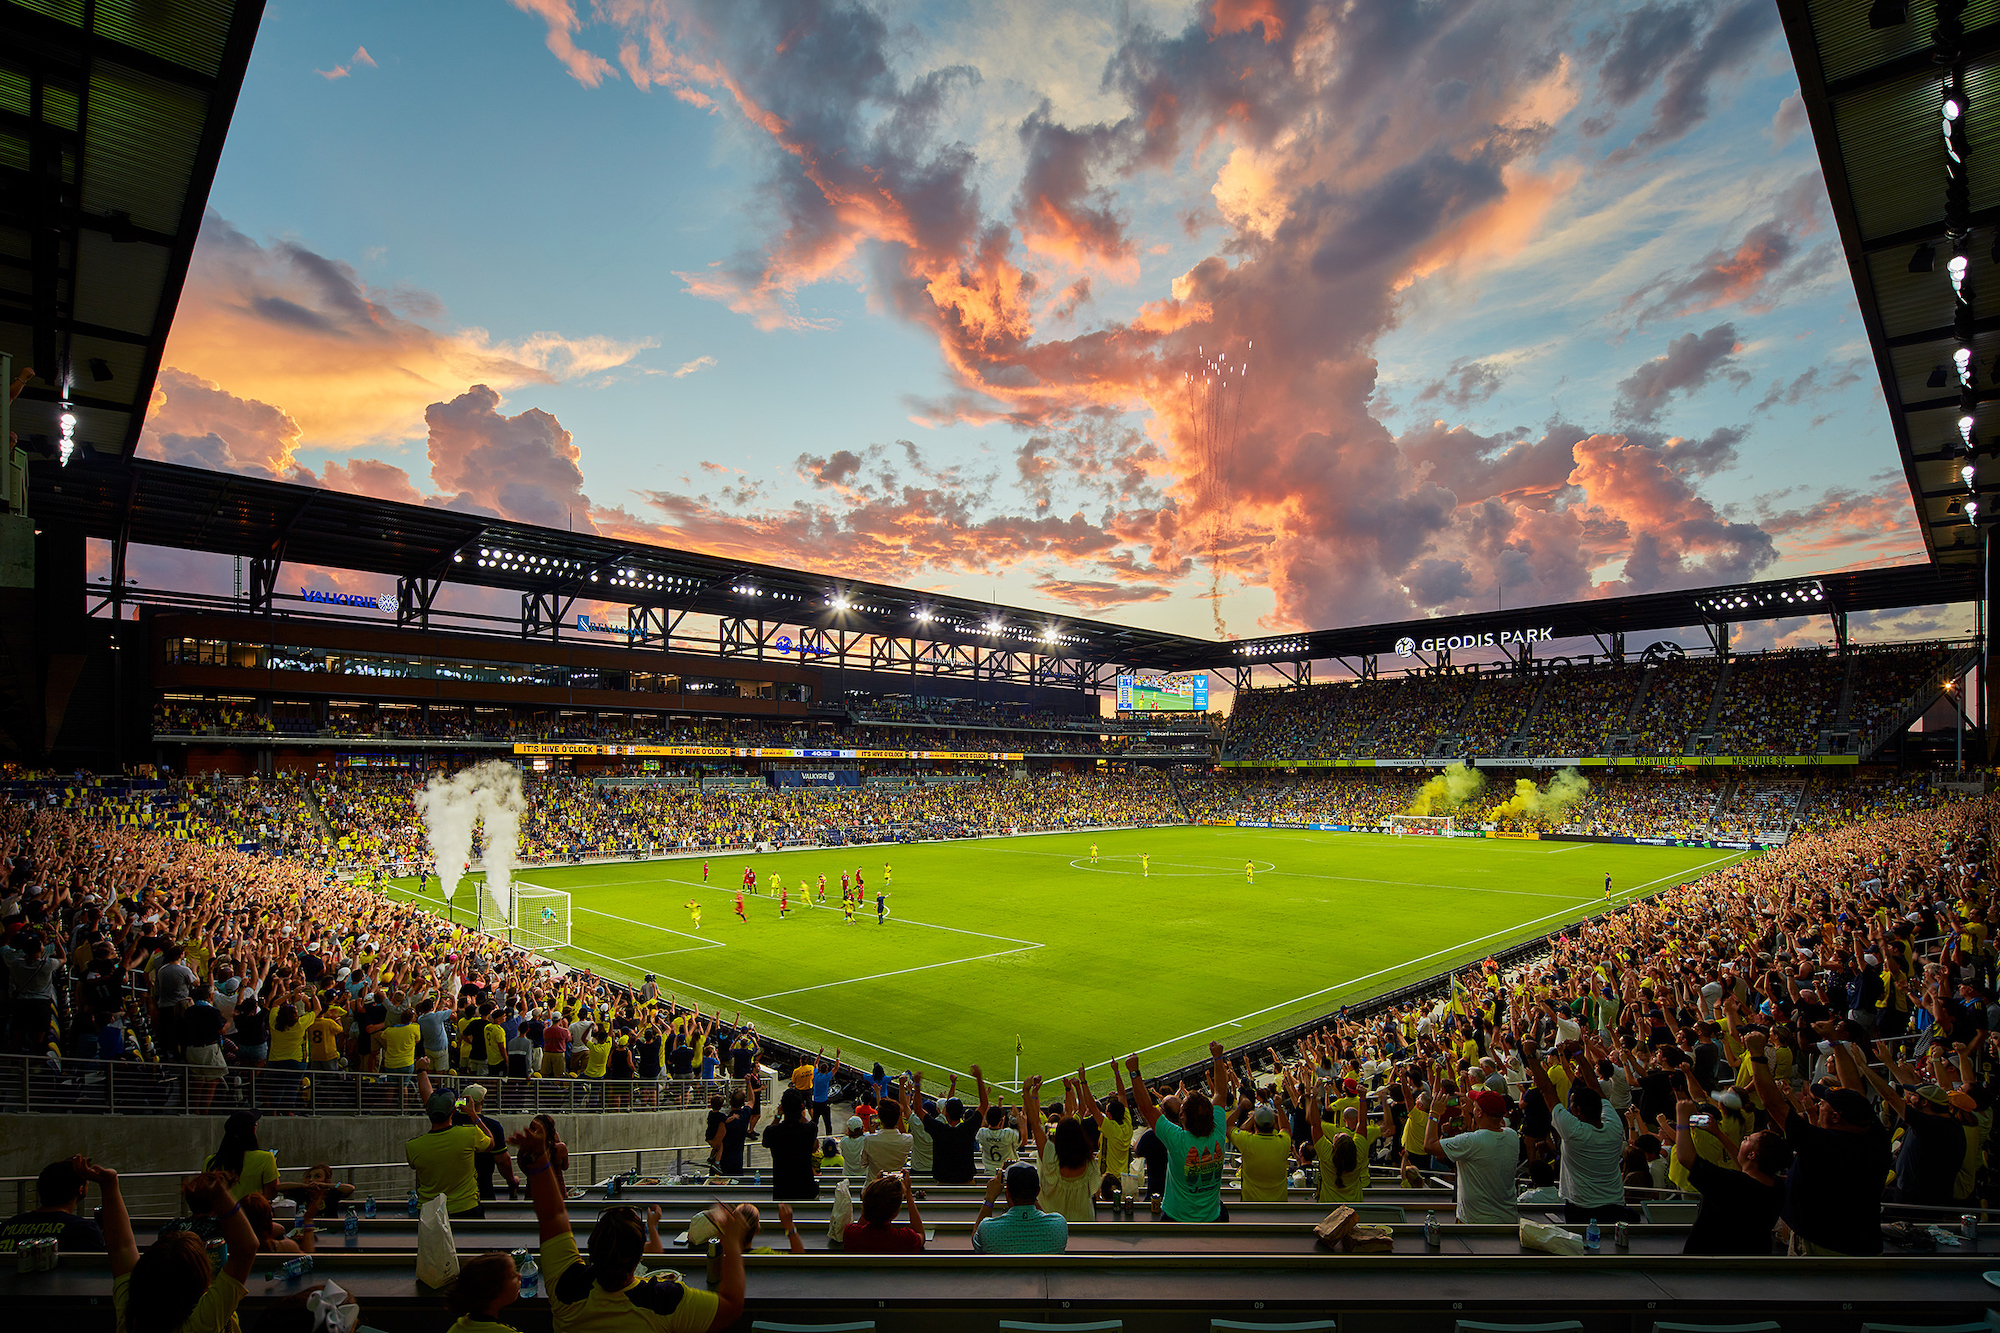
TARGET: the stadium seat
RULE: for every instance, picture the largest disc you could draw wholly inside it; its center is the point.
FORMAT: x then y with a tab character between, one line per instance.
1475	1326
1244	1326
859	1326
1987	1325
1100	1326
1761	1326
1669	1212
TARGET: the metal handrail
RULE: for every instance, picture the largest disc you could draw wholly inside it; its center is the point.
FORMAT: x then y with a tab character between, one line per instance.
37	1084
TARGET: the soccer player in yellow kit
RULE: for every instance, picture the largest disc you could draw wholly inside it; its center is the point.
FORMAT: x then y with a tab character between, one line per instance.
1093	853
1249	872
885	874
1145	864
847	907
694	909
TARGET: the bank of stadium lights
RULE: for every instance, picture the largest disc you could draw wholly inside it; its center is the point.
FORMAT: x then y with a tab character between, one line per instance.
1800	596
1272	648
68	422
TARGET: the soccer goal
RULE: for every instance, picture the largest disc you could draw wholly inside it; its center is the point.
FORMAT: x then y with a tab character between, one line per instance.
1430	825
541	918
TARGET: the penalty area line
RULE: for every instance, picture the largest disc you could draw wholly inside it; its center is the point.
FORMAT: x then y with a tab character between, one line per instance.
899	972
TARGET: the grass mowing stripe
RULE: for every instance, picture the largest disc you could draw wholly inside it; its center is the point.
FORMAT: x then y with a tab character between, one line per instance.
1126	961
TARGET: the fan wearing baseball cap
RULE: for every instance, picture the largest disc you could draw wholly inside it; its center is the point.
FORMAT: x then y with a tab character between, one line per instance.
1487	1154
444	1157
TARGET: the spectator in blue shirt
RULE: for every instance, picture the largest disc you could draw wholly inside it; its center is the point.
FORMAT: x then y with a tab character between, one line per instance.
435	1025
1024	1228
822	1091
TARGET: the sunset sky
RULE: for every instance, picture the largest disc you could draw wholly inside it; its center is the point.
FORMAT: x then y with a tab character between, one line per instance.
1521	301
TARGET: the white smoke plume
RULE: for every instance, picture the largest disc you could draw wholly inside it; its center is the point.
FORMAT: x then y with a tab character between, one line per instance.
488	794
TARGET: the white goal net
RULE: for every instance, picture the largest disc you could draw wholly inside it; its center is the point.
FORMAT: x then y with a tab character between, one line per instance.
1434	825
541	918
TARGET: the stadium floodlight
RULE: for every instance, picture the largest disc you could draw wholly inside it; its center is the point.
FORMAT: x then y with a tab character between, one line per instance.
994	626
1963	359
1049	634
840	603
68	420
1966	473
1972	511
1966	422
1957	267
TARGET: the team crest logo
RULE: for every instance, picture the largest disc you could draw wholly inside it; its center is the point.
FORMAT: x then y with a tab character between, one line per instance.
1406	647
387	603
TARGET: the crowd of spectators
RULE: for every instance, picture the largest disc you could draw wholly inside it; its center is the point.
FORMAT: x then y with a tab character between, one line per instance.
1795	1041
1583	708
1778	703
1770	703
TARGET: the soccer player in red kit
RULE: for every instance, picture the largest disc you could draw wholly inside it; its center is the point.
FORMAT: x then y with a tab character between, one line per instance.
739	907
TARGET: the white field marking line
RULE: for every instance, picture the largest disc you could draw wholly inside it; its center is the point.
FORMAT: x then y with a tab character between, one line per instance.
665	930
901	971
1203	872
1241	1019
1573	847
861	1043
730	893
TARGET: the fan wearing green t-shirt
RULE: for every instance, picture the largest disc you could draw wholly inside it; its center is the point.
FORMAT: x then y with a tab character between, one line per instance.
1267	1154
1196	1148
443	1157
1343	1152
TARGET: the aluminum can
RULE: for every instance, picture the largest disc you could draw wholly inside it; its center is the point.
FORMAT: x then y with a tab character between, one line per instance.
1968	1225
1621	1236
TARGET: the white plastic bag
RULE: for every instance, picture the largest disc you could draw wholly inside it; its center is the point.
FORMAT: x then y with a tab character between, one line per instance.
437	1251
843	1210
332	1310
1550	1239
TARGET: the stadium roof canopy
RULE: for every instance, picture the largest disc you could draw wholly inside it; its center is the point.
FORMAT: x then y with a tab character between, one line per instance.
425	546
1913	187
1833	595
165	504
112	116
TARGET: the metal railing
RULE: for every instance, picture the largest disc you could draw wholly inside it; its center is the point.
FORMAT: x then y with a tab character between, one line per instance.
141	1087
158	1193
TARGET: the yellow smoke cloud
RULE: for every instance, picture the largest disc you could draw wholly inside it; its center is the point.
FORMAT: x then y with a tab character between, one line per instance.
1448	791
1547	805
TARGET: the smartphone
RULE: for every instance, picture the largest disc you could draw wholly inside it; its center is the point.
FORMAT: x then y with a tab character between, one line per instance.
1700	1121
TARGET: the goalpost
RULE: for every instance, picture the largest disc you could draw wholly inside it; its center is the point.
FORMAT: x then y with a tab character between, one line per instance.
1429	825
541	918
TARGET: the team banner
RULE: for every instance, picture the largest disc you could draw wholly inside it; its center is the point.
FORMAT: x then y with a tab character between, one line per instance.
725	752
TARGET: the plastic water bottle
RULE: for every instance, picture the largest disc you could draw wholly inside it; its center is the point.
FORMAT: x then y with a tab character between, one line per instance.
413	1205
352	1227
531	1277
368	1208
1431	1230
1592	1237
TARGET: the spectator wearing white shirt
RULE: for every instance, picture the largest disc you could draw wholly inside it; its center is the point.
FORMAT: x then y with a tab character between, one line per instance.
1592	1179
1486	1157
887	1150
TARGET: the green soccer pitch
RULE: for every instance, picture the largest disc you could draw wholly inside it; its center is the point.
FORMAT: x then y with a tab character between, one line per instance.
996	938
